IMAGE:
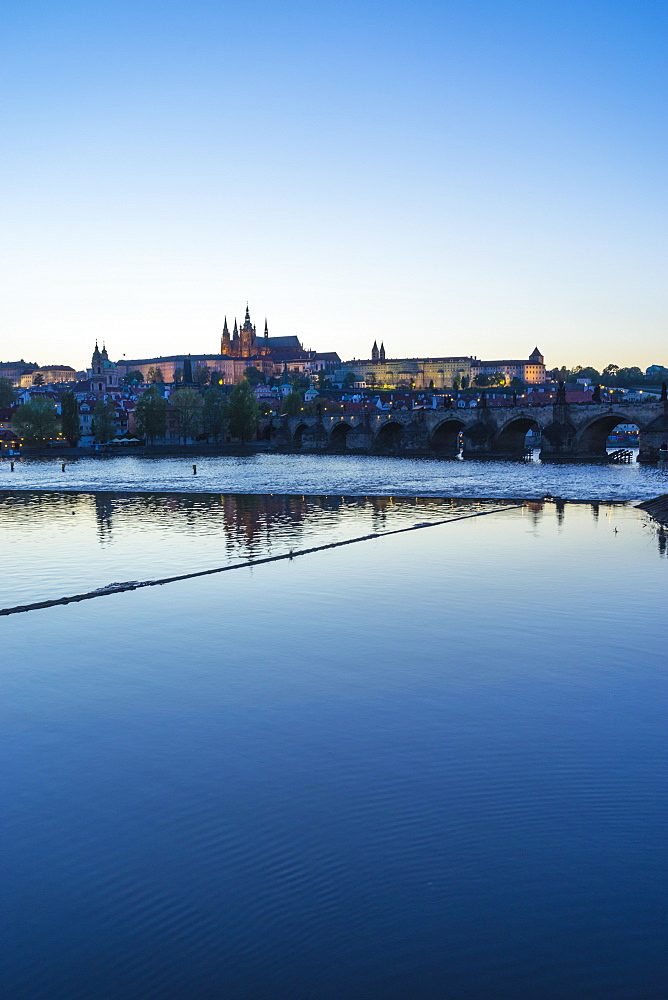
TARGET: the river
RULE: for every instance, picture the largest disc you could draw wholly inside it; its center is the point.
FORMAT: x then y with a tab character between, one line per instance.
360	475
429	763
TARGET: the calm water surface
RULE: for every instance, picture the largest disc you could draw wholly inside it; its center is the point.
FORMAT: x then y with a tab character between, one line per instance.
428	765
340	474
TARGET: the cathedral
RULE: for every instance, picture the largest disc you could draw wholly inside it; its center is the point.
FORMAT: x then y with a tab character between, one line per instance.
103	373
244	342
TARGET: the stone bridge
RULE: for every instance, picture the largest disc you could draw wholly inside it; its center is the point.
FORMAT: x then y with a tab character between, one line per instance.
568	430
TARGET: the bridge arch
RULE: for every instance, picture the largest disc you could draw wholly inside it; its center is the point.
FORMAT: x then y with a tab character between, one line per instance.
591	439
298	434
511	438
445	438
338	436
387	440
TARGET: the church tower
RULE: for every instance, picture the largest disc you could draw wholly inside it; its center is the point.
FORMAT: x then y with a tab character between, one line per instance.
382	351
374	352
103	373
247	337
225	345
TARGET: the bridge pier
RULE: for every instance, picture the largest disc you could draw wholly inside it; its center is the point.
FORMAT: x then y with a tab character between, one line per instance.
654	438
478	440
314	438
359	440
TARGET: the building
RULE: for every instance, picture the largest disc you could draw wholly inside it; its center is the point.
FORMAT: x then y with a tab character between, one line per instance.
245	343
103	373
13	370
170	368
531	371
408	373
238	350
47	375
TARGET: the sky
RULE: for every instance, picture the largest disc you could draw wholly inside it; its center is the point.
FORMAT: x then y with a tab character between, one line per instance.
470	178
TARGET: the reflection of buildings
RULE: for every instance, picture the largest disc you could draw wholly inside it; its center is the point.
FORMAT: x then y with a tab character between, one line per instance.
103	514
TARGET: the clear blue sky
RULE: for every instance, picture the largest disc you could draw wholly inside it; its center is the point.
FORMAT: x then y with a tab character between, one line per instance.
470	177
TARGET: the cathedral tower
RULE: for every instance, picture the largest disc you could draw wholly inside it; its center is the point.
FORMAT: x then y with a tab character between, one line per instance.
225	345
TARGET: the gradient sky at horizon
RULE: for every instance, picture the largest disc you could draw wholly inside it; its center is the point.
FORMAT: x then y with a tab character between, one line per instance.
449	178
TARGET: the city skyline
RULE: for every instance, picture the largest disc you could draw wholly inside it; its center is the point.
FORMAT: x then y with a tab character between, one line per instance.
461	180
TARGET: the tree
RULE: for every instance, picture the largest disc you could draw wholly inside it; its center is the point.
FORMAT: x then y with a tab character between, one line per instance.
133	378
628	377
323	381
178	375
517	383
349	380
216	378
243	411
36	421
254	376
38	379
292	405
202	375
154	375
7	394
214	412
69	418
456	382
466	381
151	414
188	403
104	421
300	382
579	372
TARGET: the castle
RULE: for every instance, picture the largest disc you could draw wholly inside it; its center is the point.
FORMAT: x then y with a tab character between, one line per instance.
244	341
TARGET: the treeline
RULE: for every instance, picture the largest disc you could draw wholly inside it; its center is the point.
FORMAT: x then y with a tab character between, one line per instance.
612	376
208	414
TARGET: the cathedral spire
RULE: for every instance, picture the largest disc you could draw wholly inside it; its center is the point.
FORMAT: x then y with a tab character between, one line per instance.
266	327
374	351
381	353
225	339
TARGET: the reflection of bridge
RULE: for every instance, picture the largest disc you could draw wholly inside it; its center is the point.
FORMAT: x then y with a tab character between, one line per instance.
576	430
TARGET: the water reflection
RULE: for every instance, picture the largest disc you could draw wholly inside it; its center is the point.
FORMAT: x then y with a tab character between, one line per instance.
53	544
431	765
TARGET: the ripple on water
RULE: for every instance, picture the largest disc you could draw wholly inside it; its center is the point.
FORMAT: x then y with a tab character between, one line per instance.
343	474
